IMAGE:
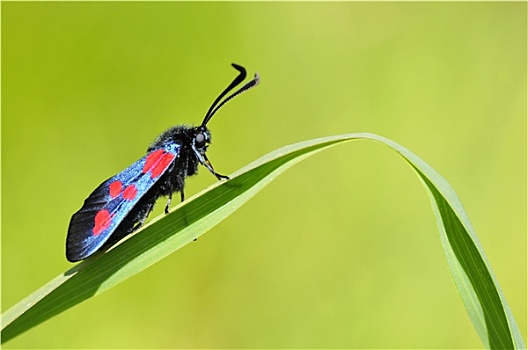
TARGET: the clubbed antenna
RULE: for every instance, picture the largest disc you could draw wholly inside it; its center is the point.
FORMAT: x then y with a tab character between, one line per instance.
240	78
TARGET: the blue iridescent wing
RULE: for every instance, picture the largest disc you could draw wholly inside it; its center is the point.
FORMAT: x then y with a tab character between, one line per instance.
111	202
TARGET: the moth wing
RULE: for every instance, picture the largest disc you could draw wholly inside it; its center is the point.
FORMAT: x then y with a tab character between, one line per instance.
112	201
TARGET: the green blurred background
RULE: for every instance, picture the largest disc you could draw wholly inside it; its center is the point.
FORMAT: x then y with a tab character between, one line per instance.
342	250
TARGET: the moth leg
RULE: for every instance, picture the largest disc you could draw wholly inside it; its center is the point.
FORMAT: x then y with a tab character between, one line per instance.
209	167
177	187
143	216
180	185
167	206
168	203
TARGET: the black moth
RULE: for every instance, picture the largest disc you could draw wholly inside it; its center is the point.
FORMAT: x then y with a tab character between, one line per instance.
121	204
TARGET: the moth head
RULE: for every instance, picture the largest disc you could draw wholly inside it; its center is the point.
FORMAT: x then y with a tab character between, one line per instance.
201	139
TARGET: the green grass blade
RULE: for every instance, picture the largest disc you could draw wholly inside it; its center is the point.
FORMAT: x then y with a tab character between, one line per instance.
469	268
473	277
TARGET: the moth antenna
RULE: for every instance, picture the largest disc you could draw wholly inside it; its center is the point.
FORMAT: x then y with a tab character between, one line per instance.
214	107
240	78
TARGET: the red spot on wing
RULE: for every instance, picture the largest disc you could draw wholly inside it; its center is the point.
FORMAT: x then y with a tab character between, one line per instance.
164	162
130	192
152	159
102	221
157	162
115	188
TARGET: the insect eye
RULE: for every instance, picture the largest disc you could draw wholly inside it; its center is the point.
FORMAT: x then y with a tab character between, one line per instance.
200	139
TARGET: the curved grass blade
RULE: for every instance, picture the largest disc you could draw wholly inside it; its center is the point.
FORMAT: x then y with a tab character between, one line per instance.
469	268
